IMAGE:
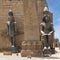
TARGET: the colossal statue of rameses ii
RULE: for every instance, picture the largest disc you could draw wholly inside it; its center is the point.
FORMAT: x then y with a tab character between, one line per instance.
11	27
47	29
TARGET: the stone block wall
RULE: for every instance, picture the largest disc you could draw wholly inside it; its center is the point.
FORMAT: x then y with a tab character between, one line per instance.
28	15
18	10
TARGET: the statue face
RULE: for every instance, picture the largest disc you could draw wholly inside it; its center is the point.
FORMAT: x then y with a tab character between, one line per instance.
46	19
10	13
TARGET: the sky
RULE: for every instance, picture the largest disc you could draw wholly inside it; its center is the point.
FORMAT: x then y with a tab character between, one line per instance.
54	7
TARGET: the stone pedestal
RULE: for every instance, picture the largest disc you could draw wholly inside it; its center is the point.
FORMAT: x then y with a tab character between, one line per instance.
53	51
31	48
7	53
12	49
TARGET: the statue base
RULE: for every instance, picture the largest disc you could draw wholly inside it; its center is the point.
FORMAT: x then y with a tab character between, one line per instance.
12	49
7	53
31	48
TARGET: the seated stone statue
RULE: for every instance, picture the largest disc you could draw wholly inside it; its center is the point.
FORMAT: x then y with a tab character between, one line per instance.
47	30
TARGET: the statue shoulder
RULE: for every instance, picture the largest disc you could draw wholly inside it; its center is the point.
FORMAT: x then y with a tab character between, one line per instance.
43	24
8	22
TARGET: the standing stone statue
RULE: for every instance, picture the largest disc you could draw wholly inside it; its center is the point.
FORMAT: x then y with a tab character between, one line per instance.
11	28
47	29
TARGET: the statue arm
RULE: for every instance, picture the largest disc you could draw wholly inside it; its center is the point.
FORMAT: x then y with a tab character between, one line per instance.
43	33
8	23
42	25
50	32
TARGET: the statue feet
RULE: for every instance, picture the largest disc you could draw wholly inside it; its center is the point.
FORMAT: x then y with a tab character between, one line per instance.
12	49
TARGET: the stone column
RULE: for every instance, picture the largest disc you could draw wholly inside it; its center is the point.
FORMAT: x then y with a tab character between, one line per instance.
31	30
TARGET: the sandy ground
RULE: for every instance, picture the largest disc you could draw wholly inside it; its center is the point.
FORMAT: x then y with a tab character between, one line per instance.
15	57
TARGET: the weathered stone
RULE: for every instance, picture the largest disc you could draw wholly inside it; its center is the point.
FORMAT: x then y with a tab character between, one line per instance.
26	53
31	53
28	15
18	11
33	46
7	53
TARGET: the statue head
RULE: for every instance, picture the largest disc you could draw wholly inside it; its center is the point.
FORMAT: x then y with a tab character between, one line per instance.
46	18
10	13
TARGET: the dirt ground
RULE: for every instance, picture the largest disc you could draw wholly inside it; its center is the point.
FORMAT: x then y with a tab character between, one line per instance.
55	56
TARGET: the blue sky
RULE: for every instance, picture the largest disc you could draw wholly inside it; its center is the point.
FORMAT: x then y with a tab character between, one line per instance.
54	7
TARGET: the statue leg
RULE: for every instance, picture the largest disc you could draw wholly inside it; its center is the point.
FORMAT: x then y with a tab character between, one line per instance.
11	40
14	41
45	41
50	42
